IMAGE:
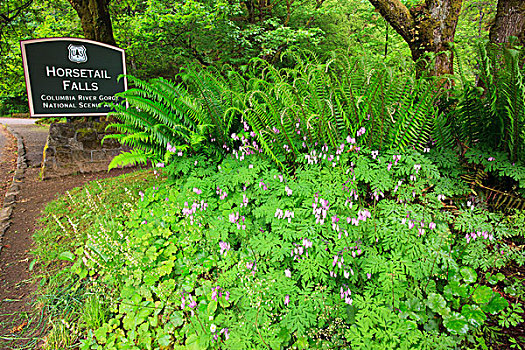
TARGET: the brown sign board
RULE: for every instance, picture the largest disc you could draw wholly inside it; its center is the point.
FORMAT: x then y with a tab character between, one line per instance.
72	77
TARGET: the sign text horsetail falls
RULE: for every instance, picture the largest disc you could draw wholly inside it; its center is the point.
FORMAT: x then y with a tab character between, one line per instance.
71	77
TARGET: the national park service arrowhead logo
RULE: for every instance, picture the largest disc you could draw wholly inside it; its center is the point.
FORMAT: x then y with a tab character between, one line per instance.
77	53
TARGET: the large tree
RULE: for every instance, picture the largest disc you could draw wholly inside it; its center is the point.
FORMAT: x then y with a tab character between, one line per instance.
428	28
510	20
95	19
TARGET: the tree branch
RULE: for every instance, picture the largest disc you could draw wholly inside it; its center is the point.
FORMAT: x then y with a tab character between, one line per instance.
318	5
7	16
397	15
11	15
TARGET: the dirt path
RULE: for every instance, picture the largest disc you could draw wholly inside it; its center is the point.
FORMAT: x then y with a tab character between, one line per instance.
16	281
8	157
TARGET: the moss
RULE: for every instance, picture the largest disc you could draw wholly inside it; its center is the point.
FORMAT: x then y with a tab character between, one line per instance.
100	127
83	131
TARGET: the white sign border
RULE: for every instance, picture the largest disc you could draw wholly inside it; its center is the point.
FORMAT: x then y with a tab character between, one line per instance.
23	44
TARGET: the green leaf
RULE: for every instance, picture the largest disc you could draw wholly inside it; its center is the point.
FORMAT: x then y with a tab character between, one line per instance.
482	294
456	323
129	322
301	343
494	279
176	319
284	334
456	289
67	256
469	274
350	314
497	304
127	292
473	314
436	302
194	343
165	340
224	303
212	306
32	265
102	332
132	157
150	279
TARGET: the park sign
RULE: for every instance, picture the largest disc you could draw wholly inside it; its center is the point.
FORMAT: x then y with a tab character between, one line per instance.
71	77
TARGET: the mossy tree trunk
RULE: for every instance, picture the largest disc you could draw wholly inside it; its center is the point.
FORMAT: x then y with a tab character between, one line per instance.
510	20
428	28
95	19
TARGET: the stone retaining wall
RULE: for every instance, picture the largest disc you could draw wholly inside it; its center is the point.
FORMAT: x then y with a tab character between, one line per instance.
77	147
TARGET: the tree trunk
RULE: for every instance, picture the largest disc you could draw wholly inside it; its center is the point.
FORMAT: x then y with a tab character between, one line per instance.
95	20
510	20
428	28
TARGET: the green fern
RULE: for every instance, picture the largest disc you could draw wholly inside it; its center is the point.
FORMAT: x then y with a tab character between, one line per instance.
130	158
307	104
493	114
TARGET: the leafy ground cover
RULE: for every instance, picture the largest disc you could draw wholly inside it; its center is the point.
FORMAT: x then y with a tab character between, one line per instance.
63	227
359	249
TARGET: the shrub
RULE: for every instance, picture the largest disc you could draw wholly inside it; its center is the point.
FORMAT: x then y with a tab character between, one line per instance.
352	251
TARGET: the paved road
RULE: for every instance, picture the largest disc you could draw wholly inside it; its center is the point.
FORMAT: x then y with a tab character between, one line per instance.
17	121
35	137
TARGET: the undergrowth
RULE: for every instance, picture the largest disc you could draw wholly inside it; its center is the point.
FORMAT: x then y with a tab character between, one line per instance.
68	305
65	223
360	249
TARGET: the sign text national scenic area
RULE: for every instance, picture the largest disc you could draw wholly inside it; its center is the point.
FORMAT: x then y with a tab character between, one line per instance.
70	77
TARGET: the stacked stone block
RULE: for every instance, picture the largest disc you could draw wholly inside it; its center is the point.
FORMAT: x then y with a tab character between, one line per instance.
77	147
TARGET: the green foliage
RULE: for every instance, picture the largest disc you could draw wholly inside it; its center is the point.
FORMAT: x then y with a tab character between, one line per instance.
160	35
238	255
511	317
280	112
321	103
72	305
162	119
128	158
492	114
42	18
69	219
475	19
94	313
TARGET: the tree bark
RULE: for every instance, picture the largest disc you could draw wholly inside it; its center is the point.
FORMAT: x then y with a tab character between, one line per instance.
510	20
427	28
95	19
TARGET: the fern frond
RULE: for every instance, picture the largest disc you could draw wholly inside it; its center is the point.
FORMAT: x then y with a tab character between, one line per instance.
132	158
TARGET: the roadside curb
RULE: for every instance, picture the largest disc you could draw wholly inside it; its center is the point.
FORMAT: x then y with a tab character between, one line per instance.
12	192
